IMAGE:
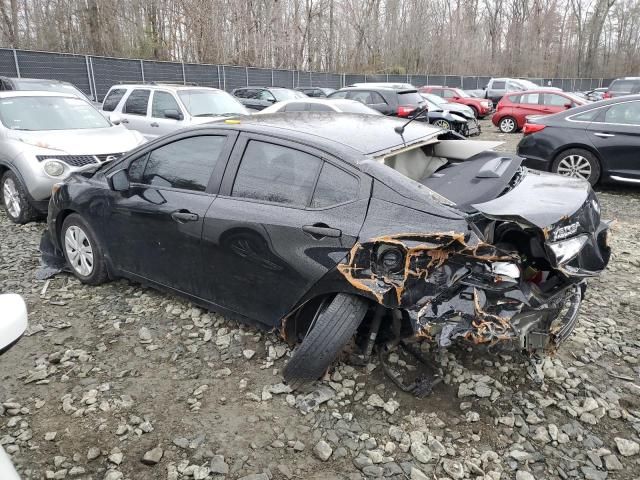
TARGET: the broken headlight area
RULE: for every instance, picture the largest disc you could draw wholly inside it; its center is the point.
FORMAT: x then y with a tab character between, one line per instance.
455	288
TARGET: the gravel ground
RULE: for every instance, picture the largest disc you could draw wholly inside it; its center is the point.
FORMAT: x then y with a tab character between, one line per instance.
123	382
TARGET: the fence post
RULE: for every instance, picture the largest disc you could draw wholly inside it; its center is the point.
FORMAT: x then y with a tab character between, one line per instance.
15	59
219	84
184	77
86	62
272	77
246	74
224	79
142	69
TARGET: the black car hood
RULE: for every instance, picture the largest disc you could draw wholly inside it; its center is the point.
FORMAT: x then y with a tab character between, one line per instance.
539	198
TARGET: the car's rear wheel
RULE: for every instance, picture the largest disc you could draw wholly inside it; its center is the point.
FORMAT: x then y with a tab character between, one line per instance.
508	125
15	200
442	123
331	329
82	251
577	162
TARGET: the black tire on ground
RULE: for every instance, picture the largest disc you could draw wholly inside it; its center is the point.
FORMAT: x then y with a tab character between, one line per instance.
98	273
333	328
475	111
575	156
26	212
508	125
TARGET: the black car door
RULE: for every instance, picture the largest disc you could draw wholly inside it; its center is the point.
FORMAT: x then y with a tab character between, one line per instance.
615	133
155	227
286	214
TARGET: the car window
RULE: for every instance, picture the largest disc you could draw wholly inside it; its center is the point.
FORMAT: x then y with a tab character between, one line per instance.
409	98
366	97
295	107
163	101
275	173
448	94
137	102
624	86
437	91
335	186
240	93
555	100
499	85
342	94
530	98
515	98
186	163
627	113
320	107
586	116
266	95
112	99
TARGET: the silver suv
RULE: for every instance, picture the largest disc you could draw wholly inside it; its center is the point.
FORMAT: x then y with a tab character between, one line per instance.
157	109
44	138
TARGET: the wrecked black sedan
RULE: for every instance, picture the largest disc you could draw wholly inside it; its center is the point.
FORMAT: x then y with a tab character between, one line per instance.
318	224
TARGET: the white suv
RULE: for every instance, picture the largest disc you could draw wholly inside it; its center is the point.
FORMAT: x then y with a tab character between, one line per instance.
156	109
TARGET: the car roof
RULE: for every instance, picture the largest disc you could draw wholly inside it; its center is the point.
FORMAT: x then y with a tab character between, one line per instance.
590	106
384	89
163	86
34	93
626	78
361	135
34	80
274	87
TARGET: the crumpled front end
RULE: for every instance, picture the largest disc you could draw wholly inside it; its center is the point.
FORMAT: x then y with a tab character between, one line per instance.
505	281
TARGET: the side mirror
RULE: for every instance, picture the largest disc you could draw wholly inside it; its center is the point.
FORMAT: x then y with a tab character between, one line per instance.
485	87
115	119
567	105
14	320
174	114
119	181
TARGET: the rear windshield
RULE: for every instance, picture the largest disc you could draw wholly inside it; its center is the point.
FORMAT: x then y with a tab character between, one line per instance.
410	98
627	86
49	113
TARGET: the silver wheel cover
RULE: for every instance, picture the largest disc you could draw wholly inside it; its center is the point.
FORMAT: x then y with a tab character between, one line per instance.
79	250
507	125
575	166
11	198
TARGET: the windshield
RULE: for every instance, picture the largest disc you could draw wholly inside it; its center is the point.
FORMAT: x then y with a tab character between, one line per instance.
527	85
283	94
431	98
626	86
461	93
211	103
43	85
49	113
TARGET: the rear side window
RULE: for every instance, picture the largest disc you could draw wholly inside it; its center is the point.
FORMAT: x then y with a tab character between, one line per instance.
112	99
186	164
586	116
295	107
514	98
339	94
530	98
556	100
335	186
447	94
163	101
500	85
274	173
627	113
137	102
319	107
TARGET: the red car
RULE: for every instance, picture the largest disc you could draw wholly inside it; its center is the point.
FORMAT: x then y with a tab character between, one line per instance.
480	106
513	109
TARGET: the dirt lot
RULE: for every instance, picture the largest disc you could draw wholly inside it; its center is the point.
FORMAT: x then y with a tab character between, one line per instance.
123	382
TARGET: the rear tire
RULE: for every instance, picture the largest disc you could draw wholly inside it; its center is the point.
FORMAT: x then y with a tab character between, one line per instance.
577	162
15	199
331	331
82	251
476	113
442	123
508	125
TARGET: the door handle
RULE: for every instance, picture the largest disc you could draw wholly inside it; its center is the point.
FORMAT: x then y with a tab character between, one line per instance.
124	120
154	124
604	135
321	230
184	216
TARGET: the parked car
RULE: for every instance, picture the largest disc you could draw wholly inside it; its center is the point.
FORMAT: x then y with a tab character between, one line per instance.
463	123
480	106
42	85
457	108
513	108
498	87
323	219
596	94
157	109
316	92
320	105
395	85
623	86
259	98
401	102
13	324
598	141
46	136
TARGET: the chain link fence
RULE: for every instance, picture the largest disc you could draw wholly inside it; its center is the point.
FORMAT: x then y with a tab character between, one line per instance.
95	75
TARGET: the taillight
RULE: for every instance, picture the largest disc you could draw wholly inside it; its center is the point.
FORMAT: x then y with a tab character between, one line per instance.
532	128
405	111
607	95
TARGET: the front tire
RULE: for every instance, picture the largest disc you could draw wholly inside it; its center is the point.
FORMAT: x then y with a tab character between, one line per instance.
82	251
579	163
508	125
332	328
442	123
15	199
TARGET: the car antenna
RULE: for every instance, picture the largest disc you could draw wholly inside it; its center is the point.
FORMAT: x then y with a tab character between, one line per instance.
400	129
